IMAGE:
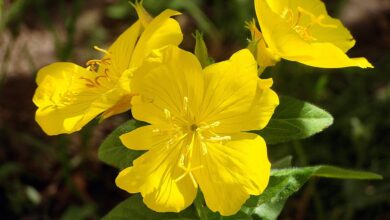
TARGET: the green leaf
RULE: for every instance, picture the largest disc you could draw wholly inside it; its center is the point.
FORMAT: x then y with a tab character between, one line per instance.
201	50
268	211
133	208
284	182
328	172
294	119
113	152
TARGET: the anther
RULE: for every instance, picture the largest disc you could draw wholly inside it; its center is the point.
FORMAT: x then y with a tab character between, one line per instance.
167	114
220	139
171	142
208	126
181	161
185	104
215	124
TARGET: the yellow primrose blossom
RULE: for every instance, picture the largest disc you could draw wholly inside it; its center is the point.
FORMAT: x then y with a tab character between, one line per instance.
197	135
69	96
301	31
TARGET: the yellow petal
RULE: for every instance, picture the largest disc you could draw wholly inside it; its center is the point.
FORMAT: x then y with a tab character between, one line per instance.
272	25
68	97
232	95
232	171
161	31
122	105
144	138
119	55
258	114
169	81
154	174
327	55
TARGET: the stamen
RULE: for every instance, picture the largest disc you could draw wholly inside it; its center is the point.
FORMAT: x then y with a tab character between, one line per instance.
92	65
185	104
63	99
215	124
90	83
167	114
175	139
105	76
93	62
219	139
304	31
170	142
188	170
208	126
288	15
181	161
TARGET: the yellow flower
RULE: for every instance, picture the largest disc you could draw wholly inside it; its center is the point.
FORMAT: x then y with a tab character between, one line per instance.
69	96
302	31
197	134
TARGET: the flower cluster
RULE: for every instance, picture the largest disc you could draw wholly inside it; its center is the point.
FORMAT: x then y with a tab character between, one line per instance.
198	137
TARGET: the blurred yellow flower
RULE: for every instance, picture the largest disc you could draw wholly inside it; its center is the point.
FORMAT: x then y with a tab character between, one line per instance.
301	31
69	96
197	134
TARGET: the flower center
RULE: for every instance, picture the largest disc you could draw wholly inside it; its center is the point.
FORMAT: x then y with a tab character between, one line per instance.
64	99
193	127
94	65
304	30
188	134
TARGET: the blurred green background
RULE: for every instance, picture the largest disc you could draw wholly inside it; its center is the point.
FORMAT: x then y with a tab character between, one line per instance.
60	177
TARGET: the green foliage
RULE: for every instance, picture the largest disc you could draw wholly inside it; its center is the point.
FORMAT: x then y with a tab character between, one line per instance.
267	206
113	152
134	208
284	182
294	119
